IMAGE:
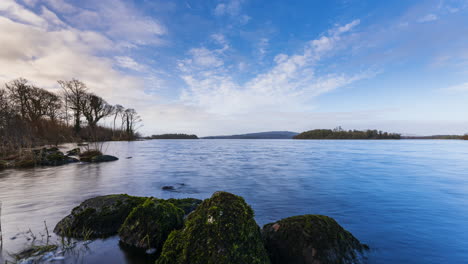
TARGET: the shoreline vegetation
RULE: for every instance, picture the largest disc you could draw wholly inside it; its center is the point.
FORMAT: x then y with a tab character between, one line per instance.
339	133
172	136
31	117
220	229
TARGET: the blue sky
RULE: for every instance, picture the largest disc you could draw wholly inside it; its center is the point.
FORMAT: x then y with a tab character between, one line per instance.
236	66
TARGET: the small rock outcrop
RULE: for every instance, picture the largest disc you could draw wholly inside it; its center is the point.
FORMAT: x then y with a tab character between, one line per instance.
74	152
86	156
221	230
51	157
103	158
98	217
311	239
149	224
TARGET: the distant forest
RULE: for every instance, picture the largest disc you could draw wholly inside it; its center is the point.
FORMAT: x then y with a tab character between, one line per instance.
339	133
173	136
31	116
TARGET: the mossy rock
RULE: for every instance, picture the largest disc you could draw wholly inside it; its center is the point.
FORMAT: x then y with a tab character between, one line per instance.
74	152
28	163
149	224
101	216
3	164
311	239
88	155
221	230
186	204
103	158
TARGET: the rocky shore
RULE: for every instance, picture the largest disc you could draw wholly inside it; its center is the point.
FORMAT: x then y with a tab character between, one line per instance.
220	229
52	156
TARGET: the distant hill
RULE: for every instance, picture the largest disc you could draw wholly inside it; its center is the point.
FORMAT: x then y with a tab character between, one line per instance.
260	135
173	136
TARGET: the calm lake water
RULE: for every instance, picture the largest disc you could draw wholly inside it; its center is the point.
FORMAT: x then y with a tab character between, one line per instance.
407	199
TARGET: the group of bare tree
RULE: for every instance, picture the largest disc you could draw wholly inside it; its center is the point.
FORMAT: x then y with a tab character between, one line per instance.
30	115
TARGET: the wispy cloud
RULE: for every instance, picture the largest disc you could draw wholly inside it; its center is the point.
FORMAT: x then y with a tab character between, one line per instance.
463	87
289	85
428	18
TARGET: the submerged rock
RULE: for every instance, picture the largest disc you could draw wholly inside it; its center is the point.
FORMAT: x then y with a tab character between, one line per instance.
311	239
149	224
103	158
168	188
98	217
221	230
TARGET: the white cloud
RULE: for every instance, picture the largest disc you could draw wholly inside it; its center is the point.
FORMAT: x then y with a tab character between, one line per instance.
44	56
288	86
428	18
233	9
463	87
17	12
129	63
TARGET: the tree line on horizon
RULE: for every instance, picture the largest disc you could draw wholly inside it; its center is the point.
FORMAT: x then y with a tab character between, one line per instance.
32	116
339	133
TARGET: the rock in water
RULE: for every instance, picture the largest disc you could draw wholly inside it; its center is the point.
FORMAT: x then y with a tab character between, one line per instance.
149	224
311	239
98	217
103	158
221	230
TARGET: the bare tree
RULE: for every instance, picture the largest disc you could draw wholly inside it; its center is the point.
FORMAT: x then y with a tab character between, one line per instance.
75	93
118	110
33	103
95	108
130	120
19	93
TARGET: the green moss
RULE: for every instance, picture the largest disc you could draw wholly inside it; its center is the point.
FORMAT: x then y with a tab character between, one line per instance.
186	204
88	155
3	164
311	239
98	217
221	230
29	163
149	224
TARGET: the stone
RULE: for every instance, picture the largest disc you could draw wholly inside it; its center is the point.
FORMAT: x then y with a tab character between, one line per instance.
221	230
97	217
311	239
103	158
149	224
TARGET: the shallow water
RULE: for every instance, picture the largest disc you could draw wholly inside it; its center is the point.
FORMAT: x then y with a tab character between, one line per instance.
407	199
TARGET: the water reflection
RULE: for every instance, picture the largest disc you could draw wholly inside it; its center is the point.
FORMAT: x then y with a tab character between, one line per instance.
403	198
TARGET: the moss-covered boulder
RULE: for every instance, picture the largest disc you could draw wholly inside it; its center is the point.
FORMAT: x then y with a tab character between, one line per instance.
25	163
311	239
221	230
3	164
98	217
186	204
149	224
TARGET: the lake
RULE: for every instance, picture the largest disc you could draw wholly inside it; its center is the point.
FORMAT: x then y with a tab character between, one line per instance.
406	199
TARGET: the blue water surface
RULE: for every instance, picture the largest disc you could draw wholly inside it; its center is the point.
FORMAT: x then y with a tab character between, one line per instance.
406	199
